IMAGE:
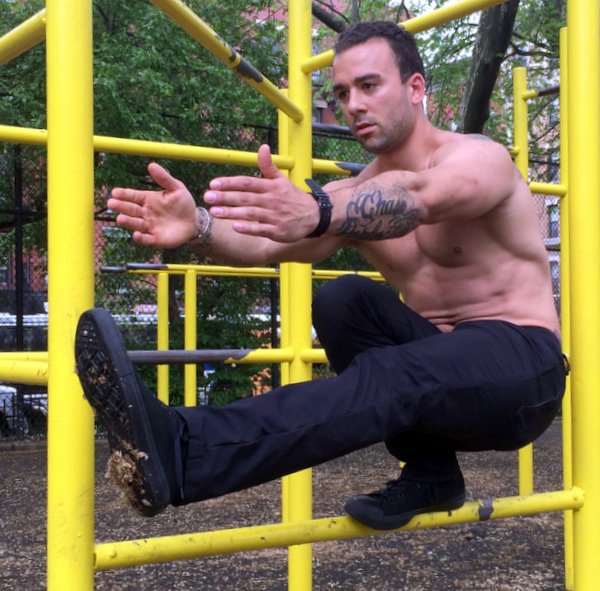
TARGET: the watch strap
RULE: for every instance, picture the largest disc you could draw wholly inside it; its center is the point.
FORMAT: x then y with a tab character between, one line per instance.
325	206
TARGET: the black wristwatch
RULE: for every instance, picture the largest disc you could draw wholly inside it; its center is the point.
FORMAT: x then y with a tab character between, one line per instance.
325	207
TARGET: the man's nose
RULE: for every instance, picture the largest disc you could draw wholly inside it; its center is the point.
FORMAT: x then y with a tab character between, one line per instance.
355	103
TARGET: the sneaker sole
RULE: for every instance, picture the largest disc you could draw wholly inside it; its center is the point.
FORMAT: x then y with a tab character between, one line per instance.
356	511
110	386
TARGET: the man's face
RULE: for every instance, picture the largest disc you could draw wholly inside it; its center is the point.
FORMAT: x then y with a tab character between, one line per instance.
377	106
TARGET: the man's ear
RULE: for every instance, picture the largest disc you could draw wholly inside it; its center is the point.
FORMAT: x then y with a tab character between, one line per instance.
416	88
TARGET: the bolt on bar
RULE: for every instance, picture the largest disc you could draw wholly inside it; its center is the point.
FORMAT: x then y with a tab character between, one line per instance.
418	24
201	32
23	37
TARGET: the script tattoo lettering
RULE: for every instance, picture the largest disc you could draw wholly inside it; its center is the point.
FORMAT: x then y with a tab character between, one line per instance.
378	214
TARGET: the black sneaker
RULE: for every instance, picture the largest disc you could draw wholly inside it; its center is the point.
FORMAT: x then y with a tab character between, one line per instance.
395	505
142	431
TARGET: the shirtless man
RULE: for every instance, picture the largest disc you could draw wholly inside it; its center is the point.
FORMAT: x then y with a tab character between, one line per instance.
469	360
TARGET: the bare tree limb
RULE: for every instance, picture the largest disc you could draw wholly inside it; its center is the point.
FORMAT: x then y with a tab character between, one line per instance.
492	40
328	18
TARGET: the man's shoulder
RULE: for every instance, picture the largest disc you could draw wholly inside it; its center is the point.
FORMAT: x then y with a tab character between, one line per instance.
459	145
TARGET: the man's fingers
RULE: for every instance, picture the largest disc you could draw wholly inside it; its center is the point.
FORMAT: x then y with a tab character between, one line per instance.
162	177
127	207
243	214
265	163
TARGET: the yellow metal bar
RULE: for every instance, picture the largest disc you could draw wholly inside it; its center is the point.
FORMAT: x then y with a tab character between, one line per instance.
181	152
24	372
300	149
23	135
435	18
565	305
530	94
24	356
548	189
162	334
70	291
38	137
194	26
283	130
190	338
313	356
263	272
281	355
520	111
583	21
329	167
522	163
186	546
22	38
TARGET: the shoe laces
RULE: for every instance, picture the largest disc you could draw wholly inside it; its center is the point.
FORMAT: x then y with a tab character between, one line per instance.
396	489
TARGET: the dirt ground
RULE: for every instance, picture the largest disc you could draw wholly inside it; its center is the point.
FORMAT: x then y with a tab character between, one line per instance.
519	554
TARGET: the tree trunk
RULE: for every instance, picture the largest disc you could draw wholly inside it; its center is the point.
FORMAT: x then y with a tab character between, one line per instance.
493	37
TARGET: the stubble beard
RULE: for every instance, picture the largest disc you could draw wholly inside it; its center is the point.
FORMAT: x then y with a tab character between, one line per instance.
388	138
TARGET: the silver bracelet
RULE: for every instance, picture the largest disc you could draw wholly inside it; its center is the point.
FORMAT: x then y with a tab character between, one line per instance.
204	223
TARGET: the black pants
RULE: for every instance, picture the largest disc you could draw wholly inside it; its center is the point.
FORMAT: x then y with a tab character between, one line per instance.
486	385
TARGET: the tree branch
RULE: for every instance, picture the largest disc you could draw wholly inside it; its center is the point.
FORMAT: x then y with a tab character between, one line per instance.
329	19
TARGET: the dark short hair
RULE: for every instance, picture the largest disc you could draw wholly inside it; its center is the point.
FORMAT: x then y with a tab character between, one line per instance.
399	39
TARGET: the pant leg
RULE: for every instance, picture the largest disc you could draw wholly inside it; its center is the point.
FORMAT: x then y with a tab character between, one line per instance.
487	385
353	314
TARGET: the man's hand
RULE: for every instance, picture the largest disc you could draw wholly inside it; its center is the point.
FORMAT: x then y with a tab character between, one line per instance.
163	219
271	206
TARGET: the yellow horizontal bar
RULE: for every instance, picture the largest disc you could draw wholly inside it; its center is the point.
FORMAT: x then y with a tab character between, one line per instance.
194	26
418	24
216	270
186	546
530	94
206	270
23	37
24	372
264	356
548	189
328	167
313	356
24	356
38	137
23	135
182	152
448	13
331	274
549	91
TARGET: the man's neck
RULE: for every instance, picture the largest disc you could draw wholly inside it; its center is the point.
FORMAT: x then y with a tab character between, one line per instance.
414	154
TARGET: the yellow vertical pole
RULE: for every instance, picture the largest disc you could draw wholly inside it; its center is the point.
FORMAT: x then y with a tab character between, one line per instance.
70	291
300	282
583	21
521	141
565	303
190	338
283	140
162	334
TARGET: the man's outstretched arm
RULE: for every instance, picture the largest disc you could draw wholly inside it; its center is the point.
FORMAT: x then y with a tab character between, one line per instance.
467	179
169	217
